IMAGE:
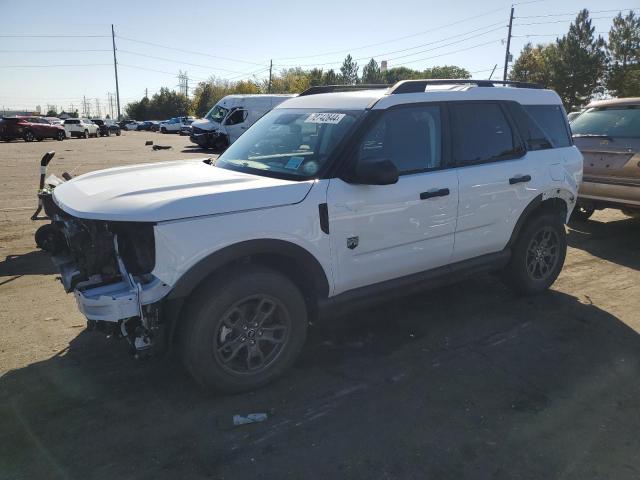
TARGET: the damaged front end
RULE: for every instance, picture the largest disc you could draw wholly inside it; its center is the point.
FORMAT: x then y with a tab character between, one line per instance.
107	265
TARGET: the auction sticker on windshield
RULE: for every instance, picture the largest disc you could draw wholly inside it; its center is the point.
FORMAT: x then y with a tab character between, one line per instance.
325	118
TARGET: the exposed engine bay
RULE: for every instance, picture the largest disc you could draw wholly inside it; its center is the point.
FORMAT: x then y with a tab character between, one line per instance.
107	266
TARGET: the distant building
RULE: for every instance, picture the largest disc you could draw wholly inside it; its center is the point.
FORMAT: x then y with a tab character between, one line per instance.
13	113
383	66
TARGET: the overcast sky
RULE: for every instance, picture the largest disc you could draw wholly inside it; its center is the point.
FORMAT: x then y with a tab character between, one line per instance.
236	39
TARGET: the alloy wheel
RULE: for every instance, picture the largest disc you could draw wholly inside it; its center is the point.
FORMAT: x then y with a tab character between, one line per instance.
542	253
252	335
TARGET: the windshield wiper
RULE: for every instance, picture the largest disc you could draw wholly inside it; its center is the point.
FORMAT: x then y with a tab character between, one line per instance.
592	135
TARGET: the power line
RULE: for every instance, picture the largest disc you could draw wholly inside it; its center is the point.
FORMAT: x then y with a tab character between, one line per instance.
575	13
173	74
335	52
451	53
58	65
556	21
178	61
418	46
53	36
54	51
187	51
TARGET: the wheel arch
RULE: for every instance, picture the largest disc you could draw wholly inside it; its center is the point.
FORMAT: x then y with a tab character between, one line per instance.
557	201
281	255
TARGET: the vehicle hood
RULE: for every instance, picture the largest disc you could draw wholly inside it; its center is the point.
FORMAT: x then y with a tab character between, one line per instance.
205	125
159	192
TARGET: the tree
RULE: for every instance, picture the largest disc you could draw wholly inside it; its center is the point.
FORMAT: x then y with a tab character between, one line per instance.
315	77
446	71
578	63
330	78
371	72
203	99
533	65
349	71
51	113
623	55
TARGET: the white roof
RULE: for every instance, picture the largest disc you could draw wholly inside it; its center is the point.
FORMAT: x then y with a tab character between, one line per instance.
380	98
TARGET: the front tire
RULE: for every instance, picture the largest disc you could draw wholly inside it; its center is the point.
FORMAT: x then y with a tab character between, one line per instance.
29	136
243	331
60	136
86	134
538	255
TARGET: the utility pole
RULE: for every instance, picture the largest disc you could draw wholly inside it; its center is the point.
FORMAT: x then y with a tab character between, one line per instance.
98	113
146	93
493	71
115	68
507	55
270	70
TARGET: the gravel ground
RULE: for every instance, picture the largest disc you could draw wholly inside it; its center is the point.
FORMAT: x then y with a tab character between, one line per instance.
468	381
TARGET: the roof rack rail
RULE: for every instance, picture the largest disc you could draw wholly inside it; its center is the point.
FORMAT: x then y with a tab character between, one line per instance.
341	88
419	86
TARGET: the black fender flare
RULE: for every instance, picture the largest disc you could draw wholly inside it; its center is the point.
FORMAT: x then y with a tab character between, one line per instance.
227	255
532	207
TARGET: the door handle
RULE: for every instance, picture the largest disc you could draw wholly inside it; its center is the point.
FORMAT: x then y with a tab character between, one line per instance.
520	179
441	192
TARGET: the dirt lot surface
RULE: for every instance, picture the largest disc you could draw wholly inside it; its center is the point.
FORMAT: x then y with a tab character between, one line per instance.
468	381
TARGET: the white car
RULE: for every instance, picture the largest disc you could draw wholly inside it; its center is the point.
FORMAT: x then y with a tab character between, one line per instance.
132	126
175	125
81	127
330	200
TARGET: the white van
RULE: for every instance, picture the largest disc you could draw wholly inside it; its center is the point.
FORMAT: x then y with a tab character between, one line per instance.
230	117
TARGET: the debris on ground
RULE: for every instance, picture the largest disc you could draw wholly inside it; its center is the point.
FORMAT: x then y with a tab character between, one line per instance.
149	142
251	418
162	147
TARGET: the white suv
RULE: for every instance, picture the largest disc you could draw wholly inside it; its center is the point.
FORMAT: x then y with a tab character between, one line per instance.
330	200
81	127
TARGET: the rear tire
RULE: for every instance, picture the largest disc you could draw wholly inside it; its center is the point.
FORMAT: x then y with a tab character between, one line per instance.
29	136
86	134
117	133
582	213
244	331
60	136
538	255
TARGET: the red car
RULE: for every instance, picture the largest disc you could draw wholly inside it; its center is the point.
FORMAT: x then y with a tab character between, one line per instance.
30	129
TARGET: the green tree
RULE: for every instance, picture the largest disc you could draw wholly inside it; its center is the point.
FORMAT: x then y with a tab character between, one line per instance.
51	113
315	77
578	63
533	65
396	74
203	99
446	71
349	71
371	73
330	77
623	55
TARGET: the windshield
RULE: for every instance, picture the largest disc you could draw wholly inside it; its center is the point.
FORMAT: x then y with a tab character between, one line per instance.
620	122
289	143
217	114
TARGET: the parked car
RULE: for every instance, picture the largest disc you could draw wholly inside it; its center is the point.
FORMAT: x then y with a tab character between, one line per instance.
186	130
29	129
330	200
132	126
608	135
81	127
53	120
174	125
145	126
572	116
123	124
107	127
230	117
155	125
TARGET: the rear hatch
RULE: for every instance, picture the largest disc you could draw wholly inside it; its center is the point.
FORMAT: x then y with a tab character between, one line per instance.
609	139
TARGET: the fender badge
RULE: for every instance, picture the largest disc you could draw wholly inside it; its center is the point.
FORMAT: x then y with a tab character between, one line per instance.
352	242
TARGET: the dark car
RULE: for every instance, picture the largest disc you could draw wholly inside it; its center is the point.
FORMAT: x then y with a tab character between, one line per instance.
145	126
29	129
107	127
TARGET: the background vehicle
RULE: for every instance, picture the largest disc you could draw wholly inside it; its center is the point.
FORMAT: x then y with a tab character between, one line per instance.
155	125
53	120
81	127
230	117
29	129
131	126
145	126
329	200
572	116
107	127
186	130
123	123
174	125
608	135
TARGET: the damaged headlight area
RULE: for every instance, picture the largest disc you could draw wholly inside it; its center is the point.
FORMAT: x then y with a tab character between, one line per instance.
107	266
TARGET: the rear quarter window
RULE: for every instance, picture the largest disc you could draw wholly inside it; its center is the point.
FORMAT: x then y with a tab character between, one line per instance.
553	121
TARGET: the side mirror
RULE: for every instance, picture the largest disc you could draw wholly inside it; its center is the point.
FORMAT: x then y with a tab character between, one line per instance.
374	172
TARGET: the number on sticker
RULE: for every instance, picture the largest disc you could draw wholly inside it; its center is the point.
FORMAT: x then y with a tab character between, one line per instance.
324	118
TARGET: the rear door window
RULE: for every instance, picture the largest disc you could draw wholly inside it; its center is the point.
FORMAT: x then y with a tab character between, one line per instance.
411	137
481	133
552	120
